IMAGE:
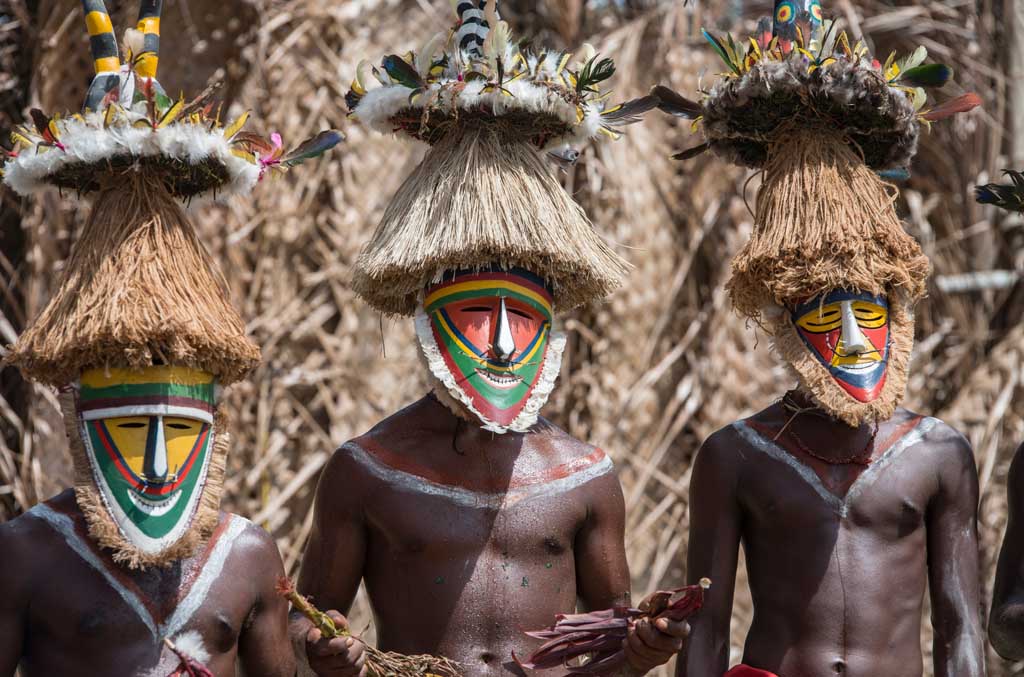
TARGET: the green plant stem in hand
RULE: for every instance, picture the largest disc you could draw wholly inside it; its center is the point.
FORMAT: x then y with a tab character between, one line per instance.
378	663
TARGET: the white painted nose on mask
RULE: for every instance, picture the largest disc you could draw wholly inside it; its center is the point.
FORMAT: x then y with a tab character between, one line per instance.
159	467
504	345
854	342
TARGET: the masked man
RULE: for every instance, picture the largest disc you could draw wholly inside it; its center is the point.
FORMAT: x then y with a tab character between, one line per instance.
847	506
470	518
1006	623
135	571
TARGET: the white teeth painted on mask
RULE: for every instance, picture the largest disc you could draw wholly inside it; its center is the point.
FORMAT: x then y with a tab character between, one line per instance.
503	381
154	508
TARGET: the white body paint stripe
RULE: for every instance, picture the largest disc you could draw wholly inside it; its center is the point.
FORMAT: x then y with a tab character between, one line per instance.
211	570
209	573
63	525
148	410
841	505
475	499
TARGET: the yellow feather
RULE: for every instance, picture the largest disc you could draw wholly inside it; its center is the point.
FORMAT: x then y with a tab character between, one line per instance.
172	114
236	126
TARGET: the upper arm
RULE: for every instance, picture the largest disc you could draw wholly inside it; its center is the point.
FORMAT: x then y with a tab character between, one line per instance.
713	551
952	534
264	647
602	574
1006	626
14	587
332	565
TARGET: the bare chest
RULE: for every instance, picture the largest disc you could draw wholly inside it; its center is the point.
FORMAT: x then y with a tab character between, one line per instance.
888	499
529	509
98	610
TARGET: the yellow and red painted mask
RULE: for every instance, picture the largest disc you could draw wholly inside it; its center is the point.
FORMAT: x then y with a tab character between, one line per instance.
848	333
488	337
148	435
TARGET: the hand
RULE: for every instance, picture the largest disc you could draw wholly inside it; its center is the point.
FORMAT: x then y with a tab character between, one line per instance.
650	644
338	657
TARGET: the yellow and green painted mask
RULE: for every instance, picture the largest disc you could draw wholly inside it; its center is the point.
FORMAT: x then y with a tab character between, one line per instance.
148	437
488	337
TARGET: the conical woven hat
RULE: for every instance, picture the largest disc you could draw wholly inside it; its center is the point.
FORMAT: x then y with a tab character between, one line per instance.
139	289
480	197
824	221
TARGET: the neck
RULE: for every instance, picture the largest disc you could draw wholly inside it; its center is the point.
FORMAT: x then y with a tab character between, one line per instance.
440	394
804	409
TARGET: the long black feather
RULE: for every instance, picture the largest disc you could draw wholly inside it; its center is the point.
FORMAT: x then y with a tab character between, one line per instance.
692	152
675	104
1005	196
629	112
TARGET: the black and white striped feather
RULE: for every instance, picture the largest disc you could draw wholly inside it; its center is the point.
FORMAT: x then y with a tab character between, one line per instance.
473	26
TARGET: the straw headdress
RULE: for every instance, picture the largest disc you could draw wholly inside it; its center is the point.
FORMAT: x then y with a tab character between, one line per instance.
826	123
139	288
485	194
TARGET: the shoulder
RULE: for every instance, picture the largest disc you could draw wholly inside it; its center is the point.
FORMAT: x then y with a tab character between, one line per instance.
946	452
32	537
254	546
555	441
943	442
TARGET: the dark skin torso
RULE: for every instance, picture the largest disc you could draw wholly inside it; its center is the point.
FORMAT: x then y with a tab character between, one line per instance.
59	616
834	593
458	580
1006	625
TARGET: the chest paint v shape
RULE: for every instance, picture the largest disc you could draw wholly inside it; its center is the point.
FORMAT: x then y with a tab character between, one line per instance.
841	503
195	586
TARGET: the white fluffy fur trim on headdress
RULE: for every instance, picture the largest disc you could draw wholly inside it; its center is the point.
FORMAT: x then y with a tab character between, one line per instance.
531	410
379	106
86	142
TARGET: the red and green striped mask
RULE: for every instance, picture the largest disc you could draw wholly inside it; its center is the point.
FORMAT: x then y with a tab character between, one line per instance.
148	435
492	330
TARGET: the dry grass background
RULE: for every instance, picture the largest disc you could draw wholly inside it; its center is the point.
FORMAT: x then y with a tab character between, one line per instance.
648	375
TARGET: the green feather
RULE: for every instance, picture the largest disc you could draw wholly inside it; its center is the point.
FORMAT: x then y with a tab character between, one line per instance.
313	148
720	50
928	75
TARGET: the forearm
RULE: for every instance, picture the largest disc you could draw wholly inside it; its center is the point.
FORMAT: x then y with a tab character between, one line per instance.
11	640
962	655
705	655
1006	628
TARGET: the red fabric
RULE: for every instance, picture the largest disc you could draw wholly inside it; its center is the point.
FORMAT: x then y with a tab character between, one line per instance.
745	671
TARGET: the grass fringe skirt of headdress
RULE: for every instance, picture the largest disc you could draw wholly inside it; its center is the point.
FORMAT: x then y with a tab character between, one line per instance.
139	289
484	196
101	524
824	221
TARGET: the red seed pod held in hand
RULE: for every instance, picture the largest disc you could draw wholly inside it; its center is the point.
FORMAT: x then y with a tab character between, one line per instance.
599	635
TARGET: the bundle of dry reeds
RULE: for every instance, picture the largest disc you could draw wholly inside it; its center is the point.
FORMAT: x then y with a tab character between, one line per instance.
649	374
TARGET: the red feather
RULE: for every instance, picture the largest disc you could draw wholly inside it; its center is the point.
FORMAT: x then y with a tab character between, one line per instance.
961	104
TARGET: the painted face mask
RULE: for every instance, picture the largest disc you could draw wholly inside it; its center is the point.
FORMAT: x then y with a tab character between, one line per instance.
848	333
488	338
149	439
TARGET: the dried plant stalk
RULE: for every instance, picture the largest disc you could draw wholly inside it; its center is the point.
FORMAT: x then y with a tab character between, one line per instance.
378	663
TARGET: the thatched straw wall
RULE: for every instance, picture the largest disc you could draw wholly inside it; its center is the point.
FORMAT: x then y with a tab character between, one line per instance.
648	375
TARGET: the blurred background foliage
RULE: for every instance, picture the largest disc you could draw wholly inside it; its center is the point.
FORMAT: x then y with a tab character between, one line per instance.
648	374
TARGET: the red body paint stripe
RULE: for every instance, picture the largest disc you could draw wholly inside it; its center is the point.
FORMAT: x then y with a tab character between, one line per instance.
404	463
172	400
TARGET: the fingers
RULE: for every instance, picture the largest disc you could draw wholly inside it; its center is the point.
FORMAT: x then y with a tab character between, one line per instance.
648	646
676	629
339	620
337	657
